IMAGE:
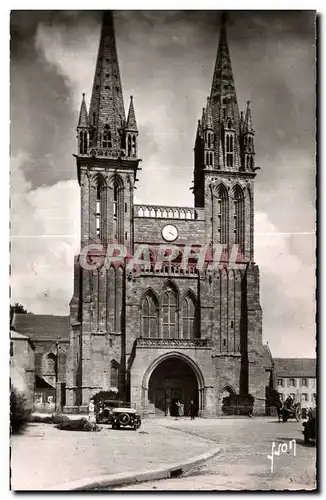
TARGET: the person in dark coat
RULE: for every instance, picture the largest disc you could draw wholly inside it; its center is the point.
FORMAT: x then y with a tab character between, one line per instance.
192	410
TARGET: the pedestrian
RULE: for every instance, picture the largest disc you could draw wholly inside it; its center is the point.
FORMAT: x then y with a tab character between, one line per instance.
91	412
177	409
192	410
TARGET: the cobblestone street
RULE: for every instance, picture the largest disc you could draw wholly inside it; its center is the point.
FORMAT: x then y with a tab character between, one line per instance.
243	463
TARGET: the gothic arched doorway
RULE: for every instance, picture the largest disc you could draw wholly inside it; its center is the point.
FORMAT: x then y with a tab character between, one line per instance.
172	380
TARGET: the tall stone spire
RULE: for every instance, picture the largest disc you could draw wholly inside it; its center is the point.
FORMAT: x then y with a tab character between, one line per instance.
223	93
107	111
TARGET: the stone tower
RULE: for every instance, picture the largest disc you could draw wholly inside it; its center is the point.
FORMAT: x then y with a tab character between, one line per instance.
223	189
107	162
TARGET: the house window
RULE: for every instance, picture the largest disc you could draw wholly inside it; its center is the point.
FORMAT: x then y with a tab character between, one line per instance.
169	313
304	396
314	397
11	348
149	316
304	382
280	382
292	382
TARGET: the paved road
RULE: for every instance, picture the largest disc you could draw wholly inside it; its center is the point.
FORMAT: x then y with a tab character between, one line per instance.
243	462
45	457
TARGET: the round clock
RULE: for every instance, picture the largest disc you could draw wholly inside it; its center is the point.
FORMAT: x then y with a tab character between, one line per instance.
169	232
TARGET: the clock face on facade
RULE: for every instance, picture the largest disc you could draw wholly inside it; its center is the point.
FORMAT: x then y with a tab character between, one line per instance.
169	232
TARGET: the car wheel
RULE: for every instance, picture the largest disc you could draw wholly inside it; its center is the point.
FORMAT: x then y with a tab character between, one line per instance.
124	419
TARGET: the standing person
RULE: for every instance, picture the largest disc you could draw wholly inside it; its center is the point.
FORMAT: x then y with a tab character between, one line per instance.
177	409
192	410
91	412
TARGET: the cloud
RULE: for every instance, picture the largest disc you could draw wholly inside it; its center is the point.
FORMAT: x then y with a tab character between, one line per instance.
72	51
287	290
44	239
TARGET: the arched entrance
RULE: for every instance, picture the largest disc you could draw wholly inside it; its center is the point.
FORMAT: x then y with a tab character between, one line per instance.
173	379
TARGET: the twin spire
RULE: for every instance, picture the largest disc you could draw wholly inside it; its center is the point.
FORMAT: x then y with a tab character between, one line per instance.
104	130
222	116
106	120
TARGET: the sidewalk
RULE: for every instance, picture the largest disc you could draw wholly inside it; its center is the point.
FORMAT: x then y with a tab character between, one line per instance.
46	458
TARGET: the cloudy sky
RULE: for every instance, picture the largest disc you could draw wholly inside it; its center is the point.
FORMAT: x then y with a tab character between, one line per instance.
166	62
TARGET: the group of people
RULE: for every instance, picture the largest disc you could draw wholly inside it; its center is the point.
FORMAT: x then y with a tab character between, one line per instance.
179	409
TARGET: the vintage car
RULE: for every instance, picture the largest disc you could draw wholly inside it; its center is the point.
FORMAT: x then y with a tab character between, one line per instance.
123	417
309	427
118	413
103	410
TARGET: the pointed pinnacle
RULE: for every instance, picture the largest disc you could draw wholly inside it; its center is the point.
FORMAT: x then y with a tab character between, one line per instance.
83	117
131	120
248	127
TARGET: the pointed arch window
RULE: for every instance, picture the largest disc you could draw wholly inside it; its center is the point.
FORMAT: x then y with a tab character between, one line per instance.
189	317
107	137
149	311
169	314
98	210
134	146
51	361
223	209
239	226
129	145
229	149
115	201
118	209
83	142
114	374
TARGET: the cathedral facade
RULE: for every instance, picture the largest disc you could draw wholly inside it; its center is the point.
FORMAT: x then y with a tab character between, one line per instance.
159	332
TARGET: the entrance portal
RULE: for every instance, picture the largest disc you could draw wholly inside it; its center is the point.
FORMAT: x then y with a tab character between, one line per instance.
173	381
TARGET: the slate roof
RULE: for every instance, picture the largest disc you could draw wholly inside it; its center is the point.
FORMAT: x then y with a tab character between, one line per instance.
19	336
295	367
268	359
42	326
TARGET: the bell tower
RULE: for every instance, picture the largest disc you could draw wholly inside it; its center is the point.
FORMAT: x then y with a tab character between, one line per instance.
224	161
107	163
107	151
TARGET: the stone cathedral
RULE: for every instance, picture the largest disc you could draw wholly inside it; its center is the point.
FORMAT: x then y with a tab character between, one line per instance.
162	334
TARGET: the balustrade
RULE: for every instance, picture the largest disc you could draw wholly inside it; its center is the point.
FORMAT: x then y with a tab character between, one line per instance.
165	212
173	343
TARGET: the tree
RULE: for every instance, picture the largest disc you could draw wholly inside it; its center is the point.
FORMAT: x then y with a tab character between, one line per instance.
18	308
